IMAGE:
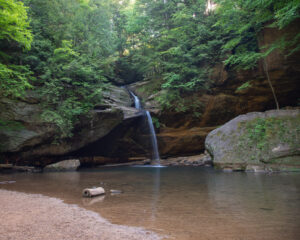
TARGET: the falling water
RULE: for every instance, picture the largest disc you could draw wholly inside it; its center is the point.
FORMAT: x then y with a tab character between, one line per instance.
153	138
137	103
155	153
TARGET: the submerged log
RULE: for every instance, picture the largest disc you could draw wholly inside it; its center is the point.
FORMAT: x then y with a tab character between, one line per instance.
92	192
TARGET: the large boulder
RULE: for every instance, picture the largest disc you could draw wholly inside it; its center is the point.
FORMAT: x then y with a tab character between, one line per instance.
257	141
65	165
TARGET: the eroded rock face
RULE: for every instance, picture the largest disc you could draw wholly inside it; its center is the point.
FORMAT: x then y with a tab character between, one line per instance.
182	141
184	132
128	140
28	129
257	141
34	142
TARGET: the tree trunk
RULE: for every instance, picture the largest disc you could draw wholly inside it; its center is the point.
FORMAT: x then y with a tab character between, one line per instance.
265	66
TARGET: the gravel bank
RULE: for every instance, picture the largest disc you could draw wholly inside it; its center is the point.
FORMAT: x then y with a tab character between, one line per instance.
35	217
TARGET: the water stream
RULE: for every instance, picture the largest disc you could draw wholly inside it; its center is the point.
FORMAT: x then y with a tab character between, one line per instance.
155	153
137	103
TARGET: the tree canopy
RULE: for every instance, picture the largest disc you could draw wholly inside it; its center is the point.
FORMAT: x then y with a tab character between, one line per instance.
14	33
70	50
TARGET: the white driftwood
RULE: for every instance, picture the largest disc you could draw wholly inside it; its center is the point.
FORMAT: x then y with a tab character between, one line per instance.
92	192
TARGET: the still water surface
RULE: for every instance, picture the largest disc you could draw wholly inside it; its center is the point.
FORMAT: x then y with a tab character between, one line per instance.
184	203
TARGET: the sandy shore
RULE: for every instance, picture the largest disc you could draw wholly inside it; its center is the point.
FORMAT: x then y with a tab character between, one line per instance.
35	217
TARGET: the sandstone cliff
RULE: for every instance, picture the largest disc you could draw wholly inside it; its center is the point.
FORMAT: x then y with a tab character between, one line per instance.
233	93
36	142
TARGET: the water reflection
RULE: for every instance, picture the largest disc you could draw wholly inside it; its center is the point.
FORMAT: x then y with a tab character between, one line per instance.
156	192
91	201
185	203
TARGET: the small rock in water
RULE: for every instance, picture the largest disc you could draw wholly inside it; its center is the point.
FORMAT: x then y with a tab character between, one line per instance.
66	165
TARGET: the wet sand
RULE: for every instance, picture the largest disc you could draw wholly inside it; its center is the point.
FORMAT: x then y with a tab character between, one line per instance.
35	217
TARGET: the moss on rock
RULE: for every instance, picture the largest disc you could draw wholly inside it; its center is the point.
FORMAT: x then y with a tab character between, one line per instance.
272	137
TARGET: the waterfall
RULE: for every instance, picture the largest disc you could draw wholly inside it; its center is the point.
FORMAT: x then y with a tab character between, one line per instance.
155	157
137	103
155	153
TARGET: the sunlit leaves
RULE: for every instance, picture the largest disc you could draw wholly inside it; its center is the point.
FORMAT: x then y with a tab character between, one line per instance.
243	20
14	24
14	28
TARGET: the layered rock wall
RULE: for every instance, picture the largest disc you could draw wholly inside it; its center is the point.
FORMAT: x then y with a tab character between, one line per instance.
36	142
233	93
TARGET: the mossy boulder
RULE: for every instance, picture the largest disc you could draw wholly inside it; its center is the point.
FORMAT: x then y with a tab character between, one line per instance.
270	140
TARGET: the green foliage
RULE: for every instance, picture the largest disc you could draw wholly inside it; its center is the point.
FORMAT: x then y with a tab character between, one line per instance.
10	125
14	30
260	131
14	80
244	86
286	12
155	122
167	99
176	42
257	133
243	20
79	45
70	89
172	100
14	24
72	55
